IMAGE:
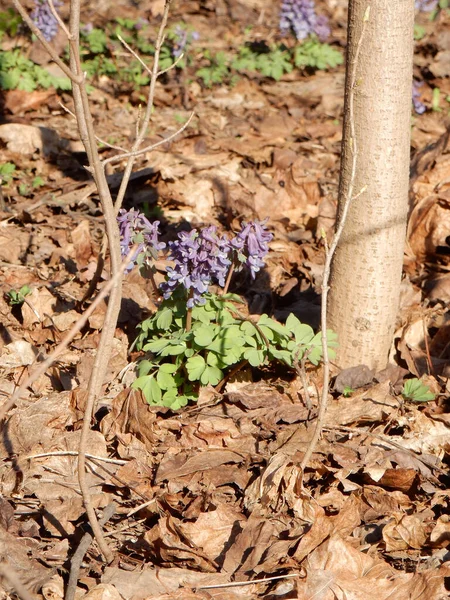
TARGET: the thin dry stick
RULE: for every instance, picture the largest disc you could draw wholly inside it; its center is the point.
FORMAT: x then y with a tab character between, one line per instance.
63	345
99	369
243	583
136	153
8	573
149	108
77	558
329	253
113	461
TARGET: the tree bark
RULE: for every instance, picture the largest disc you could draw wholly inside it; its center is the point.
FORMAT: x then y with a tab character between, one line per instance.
367	266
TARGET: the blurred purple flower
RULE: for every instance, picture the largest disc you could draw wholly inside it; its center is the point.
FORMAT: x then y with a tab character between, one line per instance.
426	5
252	244
181	38
419	106
135	228
43	18
200	258
300	16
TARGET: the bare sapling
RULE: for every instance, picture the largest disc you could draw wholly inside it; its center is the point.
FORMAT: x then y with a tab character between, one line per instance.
97	168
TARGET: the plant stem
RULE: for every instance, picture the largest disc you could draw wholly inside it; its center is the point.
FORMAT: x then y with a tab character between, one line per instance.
188	320
228	281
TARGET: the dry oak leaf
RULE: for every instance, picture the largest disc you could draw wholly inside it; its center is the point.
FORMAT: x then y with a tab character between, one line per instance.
403	532
212	530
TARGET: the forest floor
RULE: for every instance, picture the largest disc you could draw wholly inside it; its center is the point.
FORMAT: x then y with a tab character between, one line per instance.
210	495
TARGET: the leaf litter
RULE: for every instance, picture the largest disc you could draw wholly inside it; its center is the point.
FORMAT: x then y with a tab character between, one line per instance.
211	500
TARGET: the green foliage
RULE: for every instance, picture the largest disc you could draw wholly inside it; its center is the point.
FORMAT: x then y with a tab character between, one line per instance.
9	23
348	391
15	297
417	391
419	32
6	172
316	55
19	72
218	69
181	361
270	61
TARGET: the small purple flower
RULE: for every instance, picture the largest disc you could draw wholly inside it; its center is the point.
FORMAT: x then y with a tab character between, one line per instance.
419	106
252	244
43	18
181	38
426	5
300	16
135	228
200	258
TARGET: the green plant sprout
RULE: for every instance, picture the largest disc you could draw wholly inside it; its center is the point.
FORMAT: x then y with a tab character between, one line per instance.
7	171
219	341
416	391
18	297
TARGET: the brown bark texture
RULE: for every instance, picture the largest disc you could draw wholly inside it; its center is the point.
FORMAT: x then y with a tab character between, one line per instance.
367	266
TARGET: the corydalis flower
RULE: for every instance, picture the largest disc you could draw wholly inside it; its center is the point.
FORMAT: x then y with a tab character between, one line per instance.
44	19
426	5
199	259
300	16
181	38
135	228
252	244
419	106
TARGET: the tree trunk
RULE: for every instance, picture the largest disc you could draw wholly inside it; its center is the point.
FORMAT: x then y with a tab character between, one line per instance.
367	267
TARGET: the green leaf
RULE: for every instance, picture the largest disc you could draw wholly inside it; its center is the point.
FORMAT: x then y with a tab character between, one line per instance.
211	376
315	347
165	377
203	336
173	349
303	333
164	318
156	345
149	388
417	391
265	320
195	367
254	357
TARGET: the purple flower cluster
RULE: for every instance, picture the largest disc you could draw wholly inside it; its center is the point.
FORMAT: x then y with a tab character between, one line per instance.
426	5
181	38
251	245
135	228
43	18
200	258
418	105
300	16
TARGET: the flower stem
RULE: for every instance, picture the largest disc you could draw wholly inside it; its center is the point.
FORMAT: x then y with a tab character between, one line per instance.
227	282
189	315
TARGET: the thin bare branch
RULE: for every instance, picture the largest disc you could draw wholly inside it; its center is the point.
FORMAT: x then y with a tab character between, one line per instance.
149	108
113	461
80	552
133	53
244	583
58	18
99	139
172	66
329	253
166	140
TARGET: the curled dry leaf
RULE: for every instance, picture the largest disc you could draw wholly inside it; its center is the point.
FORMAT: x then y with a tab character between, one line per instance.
403	532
